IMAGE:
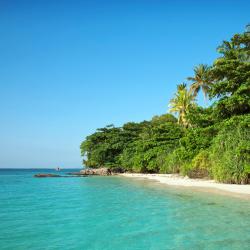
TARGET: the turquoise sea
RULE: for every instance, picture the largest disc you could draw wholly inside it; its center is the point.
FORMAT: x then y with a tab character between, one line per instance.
115	213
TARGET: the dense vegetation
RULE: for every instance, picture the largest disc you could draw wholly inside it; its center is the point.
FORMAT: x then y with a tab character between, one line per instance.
211	142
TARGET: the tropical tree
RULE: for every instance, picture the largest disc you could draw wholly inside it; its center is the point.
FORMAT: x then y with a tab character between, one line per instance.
183	101
231	78
200	80
227	48
236	48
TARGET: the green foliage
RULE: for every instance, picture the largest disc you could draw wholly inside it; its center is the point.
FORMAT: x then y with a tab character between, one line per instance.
200	80
199	167
154	142
163	118
183	101
231	78
230	152
138	147
197	139
174	161
104	146
201	117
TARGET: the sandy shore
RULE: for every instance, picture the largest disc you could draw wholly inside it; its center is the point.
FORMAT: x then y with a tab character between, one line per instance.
209	185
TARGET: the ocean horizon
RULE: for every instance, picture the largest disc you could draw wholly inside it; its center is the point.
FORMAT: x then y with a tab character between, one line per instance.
112	212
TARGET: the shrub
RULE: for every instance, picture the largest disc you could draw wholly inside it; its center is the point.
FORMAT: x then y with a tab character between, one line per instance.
174	161
230	152
200	166
197	139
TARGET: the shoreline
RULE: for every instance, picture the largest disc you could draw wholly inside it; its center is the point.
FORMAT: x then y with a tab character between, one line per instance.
211	186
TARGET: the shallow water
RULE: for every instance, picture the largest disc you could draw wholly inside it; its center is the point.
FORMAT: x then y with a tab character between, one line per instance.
115	213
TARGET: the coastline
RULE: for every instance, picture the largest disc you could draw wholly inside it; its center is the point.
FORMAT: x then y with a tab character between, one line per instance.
242	191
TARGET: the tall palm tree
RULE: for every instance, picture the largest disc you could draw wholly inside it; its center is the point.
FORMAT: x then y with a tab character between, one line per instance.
200	81
181	104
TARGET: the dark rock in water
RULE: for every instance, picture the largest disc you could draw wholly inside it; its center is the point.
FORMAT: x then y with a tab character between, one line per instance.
46	175
77	174
96	171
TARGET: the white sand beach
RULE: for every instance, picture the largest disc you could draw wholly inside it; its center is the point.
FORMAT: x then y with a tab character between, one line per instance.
207	185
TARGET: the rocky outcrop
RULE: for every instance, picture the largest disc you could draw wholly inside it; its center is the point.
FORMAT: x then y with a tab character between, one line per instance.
78	174
96	171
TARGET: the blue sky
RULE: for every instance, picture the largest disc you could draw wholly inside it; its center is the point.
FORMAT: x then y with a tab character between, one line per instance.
69	67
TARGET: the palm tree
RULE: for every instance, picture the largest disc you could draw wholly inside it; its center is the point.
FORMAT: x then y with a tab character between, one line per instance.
200	80
181	104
